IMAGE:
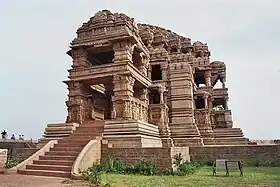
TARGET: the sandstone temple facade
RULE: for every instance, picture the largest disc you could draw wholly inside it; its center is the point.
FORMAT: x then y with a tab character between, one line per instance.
136	91
151	86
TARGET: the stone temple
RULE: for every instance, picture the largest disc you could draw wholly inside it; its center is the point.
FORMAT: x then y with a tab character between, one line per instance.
137	86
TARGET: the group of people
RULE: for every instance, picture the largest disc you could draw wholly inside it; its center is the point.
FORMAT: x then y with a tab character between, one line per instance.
4	135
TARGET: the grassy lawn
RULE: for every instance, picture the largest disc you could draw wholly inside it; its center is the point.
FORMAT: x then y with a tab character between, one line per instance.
263	176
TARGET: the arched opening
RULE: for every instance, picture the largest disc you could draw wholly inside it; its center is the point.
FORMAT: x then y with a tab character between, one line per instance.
218	83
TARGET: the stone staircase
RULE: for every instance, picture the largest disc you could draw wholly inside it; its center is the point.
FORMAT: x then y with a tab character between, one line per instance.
59	160
227	136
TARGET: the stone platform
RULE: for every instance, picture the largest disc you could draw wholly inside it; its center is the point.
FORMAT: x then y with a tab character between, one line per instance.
131	133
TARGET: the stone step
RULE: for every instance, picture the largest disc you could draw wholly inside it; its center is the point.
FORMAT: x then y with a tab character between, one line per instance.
79	138
70	140
58	132
49	167
227	135
227	130
85	134
55	135
78	149
89	130
72	144
62	174
55	157
62	153
53	162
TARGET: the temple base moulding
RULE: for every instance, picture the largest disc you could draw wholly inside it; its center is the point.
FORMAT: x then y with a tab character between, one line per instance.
131	134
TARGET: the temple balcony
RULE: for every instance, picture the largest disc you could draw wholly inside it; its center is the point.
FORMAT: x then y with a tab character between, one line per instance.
108	70
220	92
222	118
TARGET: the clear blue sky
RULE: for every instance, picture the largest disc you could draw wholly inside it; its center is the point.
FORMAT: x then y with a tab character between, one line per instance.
34	36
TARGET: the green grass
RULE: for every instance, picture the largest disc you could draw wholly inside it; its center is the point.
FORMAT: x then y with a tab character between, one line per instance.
263	176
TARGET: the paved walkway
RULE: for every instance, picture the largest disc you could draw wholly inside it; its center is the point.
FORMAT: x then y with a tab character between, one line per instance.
14	180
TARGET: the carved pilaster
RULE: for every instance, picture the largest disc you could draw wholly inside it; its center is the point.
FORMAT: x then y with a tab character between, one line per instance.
164	71
144	95
207	76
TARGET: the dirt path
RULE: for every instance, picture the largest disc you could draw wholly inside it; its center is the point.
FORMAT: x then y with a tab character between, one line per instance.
14	180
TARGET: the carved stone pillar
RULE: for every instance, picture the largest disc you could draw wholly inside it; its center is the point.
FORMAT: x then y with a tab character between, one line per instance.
164	71
77	104
144	96
123	92
207	76
143	66
80	59
161	91
205	97
226	103
123	52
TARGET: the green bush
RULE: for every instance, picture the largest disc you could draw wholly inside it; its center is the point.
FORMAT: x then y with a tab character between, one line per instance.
92	174
112	165
264	163
187	168
145	167
115	165
12	162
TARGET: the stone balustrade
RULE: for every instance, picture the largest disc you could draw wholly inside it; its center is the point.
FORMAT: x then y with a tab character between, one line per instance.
139	109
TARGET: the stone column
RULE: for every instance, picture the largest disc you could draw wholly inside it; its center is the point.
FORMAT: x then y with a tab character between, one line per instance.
150	72
205	97
77	102
143	66
123	91
207	76
226	103
123	52
80	59
164	71
144	95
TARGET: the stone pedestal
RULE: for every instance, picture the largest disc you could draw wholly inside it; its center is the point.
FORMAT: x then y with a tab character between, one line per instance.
131	134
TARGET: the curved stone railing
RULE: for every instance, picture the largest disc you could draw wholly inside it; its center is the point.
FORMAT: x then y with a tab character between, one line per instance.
35	156
90	154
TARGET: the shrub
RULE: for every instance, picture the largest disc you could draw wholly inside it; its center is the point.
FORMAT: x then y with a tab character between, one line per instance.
145	167
12	162
92	174
187	168
112	165
115	165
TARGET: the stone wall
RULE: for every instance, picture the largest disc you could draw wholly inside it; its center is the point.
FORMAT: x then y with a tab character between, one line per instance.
162	156
19	150
22	153
246	153
3	159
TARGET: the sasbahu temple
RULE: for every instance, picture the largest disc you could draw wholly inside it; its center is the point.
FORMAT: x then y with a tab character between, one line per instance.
135	86
152	86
